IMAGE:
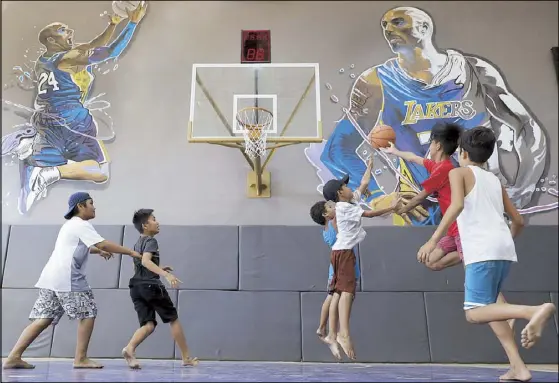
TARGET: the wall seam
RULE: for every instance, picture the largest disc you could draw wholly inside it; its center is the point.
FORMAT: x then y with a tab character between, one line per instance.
6	255
427	328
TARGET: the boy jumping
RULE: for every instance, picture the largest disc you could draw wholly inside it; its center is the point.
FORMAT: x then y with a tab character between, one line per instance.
324	214
149	294
443	143
478	204
350	234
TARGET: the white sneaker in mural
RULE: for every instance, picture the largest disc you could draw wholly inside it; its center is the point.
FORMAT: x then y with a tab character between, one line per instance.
35	186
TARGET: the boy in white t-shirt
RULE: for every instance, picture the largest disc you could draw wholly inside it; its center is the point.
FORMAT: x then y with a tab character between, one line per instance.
350	234
63	286
478	205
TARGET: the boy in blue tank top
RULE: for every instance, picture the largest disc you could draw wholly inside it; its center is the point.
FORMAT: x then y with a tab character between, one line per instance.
324	214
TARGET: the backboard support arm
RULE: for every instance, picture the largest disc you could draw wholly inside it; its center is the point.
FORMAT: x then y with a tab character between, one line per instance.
223	119
290	119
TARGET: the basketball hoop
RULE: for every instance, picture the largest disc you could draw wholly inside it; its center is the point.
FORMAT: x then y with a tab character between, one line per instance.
255	123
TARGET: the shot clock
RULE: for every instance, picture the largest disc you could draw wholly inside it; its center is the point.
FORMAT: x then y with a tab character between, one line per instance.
255	47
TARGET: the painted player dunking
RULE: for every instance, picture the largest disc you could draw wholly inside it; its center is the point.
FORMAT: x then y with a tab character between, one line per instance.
424	85
66	144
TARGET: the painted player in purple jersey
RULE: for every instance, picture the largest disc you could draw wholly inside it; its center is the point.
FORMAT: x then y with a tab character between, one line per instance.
65	145
424	85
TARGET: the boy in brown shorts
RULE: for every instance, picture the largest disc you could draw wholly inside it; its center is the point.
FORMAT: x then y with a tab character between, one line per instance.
350	234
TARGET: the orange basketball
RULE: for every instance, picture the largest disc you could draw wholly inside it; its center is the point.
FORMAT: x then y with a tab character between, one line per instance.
381	136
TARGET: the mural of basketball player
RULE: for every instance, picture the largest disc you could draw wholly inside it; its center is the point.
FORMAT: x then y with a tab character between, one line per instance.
423	85
65	145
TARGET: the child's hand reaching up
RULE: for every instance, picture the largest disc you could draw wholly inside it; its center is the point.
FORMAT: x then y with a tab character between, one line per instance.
391	149
370	163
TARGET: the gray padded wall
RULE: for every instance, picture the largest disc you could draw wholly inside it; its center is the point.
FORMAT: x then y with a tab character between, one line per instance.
406	313
453	340
114	326
28	250
284	258
538	262
30	247
389	262
16	306
242	325
5	236
203	257
386	327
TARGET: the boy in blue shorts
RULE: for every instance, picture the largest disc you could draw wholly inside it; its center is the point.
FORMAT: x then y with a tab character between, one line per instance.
478	205
324	214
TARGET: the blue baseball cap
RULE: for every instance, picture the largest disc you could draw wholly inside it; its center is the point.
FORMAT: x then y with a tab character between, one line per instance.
75	199
330	189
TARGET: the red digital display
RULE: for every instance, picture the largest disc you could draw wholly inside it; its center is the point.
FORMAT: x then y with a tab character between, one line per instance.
256	47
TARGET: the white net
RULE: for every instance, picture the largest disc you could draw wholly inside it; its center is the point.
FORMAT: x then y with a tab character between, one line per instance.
255	123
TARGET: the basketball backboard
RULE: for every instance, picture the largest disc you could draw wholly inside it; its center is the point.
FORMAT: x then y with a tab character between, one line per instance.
291	92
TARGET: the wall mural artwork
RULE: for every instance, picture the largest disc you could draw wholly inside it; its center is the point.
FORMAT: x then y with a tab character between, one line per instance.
60	140
420	86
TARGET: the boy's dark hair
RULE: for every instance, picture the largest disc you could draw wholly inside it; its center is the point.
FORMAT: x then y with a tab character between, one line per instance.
317	213
479	143
77	209
140	218
447	135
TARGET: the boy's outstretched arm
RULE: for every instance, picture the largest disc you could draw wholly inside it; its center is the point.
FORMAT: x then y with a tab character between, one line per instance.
406	156
379	212
456	177
406	206
366	177
517	221
111	247
151	266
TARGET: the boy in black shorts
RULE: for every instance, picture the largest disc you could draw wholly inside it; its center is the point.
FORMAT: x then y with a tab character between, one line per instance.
148	292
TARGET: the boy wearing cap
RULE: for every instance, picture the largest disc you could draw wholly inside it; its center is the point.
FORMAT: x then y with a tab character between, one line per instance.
63	286
350	234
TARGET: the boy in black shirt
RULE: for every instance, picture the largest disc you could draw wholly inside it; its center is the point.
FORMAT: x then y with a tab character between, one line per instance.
148	292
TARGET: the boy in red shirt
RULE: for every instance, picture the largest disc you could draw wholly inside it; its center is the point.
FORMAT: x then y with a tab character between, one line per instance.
443	143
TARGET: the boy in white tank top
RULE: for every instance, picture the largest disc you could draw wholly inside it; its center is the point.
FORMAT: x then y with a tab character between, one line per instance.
478	205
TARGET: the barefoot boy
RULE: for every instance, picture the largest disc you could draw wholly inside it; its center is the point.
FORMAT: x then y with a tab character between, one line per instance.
478	204
443	143
324	214
148	292
350	234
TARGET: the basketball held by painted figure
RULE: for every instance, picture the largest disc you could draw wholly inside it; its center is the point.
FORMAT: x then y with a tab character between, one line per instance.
120	8
381	136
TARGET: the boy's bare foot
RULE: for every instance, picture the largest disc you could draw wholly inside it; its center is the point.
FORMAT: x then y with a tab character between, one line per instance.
190	362
334	347
17	363
347	346
321	332
518	375
87	363
533	330
130	359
